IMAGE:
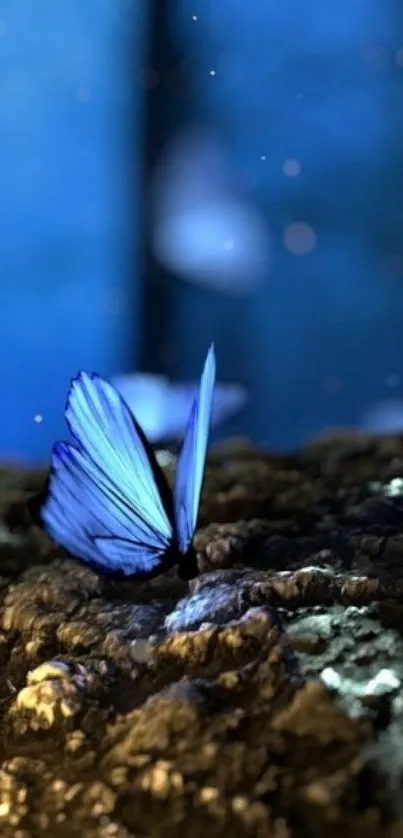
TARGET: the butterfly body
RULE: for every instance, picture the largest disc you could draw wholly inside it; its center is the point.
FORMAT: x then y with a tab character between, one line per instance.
107	501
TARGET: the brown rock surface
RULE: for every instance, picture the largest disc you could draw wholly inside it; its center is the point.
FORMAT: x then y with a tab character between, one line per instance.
263	700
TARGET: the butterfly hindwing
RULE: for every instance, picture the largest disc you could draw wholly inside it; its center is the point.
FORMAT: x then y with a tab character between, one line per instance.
107	488
121	553
192	457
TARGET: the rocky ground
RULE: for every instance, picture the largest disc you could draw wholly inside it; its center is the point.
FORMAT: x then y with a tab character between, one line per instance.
262	700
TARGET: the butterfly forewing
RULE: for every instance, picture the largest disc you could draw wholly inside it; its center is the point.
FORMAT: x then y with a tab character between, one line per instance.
107	487
105	428
192	457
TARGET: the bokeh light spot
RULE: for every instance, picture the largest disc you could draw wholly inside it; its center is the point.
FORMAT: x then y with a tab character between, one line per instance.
300	238
291	168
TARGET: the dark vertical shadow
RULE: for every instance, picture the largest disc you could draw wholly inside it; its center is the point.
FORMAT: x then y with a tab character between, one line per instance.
163	112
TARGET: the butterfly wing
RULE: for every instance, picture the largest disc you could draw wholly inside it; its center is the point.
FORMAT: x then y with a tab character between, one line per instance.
192	457
108	502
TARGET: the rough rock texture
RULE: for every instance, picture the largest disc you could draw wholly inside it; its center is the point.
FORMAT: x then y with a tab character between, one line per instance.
262	700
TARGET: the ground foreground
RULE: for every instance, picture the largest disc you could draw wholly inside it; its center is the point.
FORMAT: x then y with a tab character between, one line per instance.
263	700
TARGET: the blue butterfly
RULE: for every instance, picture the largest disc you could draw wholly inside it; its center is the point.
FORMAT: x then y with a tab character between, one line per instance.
108	502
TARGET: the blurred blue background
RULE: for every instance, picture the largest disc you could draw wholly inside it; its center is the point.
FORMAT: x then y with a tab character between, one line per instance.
71	132
179	171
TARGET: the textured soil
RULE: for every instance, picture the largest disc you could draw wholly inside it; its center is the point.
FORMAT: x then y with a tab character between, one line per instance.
262	700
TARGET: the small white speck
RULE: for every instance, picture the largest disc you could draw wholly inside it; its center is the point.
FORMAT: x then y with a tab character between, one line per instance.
331	678
212	72
83	94
194	17
263	157
3	28
38	418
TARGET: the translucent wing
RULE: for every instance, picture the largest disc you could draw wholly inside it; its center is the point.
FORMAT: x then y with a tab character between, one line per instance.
107	489
192	457
162	407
